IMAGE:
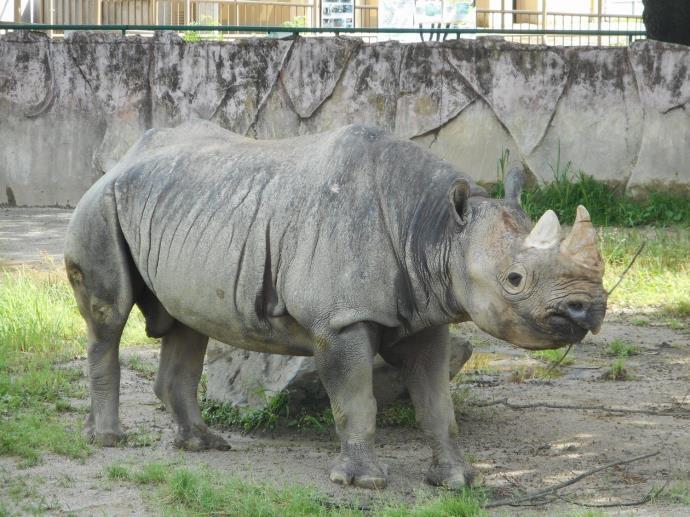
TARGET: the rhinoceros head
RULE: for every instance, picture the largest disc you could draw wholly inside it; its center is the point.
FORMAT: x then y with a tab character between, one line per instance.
529	285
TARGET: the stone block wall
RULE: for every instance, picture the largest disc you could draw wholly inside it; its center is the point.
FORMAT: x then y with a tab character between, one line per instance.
69	109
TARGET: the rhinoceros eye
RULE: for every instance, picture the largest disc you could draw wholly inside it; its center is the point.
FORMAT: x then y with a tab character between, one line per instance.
515	279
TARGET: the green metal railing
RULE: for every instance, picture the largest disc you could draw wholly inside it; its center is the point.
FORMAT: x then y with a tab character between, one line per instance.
320	30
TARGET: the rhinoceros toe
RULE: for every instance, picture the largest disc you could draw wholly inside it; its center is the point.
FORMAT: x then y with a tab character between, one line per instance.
107	439
200	440
451	476
358	473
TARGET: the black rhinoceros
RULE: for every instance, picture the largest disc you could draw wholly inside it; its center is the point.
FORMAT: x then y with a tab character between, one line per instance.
339	245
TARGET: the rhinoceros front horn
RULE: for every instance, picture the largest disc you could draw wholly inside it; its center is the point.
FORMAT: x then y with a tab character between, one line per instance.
546	233
581	243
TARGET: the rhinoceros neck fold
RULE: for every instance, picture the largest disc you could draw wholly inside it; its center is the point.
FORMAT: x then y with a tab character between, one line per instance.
429	252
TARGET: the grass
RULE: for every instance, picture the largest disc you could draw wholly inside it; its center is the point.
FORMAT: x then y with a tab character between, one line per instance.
276	413
40	327
528	373
618	371
554	356
202	491
22	496
608	205
659	280
142	367
620	348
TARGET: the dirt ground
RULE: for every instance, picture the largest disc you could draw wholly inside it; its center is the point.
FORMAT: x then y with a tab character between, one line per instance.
521	436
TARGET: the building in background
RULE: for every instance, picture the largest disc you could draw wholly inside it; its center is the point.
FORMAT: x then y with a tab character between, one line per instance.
577	15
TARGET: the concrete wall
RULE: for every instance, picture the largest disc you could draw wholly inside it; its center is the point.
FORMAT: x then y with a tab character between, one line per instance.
70	109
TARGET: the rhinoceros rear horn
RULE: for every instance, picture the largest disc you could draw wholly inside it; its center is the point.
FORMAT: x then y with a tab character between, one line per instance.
546	233
514	181
581	244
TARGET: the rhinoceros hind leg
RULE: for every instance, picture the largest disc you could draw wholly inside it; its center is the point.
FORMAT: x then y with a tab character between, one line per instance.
181	363
345	364
99	269
424	360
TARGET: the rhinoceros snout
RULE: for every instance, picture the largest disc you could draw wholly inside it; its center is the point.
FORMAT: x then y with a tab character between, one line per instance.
580	315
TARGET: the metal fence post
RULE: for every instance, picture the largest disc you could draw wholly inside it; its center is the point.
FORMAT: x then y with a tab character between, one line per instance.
599	10
543	18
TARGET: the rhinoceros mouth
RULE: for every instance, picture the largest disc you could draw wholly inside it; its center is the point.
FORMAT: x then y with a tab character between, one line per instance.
565	328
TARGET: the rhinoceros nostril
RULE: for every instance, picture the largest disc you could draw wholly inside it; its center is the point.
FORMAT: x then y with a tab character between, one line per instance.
577	311
576	306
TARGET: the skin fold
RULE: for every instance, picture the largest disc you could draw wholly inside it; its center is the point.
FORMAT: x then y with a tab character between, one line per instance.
340	246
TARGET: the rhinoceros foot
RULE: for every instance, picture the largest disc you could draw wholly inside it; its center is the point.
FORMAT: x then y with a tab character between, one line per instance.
347	471
450	475
108	439
200	439
103	437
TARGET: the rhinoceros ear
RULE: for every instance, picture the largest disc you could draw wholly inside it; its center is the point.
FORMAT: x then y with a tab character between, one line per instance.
514	181
458	194
581	244
546	233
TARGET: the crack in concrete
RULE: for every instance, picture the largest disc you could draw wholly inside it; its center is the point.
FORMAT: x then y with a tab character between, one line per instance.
252	125
348	60
49	97
638	89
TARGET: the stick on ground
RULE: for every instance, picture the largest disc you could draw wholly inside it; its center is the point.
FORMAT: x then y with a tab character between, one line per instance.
552	490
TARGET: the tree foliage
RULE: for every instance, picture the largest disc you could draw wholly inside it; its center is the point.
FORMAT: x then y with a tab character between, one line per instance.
667	20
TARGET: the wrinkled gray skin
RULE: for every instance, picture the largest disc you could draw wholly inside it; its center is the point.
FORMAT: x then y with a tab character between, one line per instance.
340	245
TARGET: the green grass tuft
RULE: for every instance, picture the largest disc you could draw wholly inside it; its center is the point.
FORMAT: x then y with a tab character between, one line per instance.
618	371
620	348
554	356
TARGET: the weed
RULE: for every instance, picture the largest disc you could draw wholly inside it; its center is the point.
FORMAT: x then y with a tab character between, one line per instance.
618	371
196	36
608	205
677	324
620	348
117	472
23	493
640	322
554	356
276	413
152	473
679	492
320	422
397	415
142	367
465	503
142	438
478	362
247	419
528	373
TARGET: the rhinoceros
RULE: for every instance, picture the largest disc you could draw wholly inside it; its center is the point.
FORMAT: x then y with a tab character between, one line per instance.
339	245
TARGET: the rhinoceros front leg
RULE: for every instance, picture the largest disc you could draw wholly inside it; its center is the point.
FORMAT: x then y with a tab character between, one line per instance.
345	361
181	363
424	359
